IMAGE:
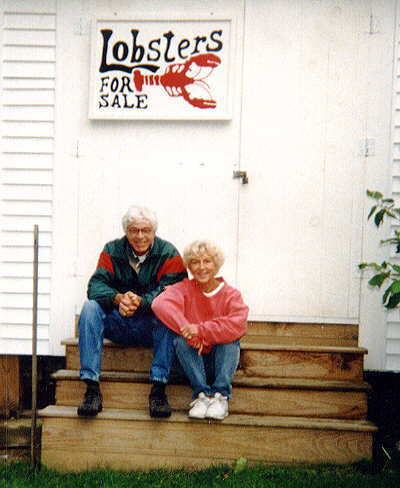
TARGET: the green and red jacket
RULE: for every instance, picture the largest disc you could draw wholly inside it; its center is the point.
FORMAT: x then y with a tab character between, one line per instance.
163	266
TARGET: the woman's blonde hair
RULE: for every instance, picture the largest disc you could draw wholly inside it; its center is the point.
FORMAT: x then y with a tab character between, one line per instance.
196	248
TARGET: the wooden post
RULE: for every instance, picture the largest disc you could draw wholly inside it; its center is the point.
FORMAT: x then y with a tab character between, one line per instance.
34	346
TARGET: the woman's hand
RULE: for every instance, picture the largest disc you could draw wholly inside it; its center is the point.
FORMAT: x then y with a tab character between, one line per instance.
189	331
196	344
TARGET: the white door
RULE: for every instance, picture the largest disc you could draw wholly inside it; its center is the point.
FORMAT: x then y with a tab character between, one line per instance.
310	81
180	168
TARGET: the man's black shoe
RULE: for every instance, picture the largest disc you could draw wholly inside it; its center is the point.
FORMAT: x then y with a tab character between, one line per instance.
91	404
159	406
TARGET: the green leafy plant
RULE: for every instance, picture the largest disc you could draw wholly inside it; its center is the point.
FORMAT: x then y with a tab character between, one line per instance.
386	272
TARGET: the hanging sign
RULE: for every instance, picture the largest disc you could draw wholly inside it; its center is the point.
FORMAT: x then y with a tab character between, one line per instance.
161	69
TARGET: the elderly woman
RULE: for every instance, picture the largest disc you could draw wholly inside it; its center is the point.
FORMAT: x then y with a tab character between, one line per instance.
210	317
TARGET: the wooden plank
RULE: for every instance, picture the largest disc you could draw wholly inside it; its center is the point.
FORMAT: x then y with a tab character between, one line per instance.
238	380
298	364
246	400
256	360
68	443
300	333
10	381
54	411
116	359
16	432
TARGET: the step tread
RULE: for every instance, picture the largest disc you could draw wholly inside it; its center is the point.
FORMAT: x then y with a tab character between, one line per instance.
259	346
250	382
55	411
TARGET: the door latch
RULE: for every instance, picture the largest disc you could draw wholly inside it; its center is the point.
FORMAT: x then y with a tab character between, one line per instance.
242	175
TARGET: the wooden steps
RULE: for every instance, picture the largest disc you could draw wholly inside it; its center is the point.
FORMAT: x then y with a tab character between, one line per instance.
15	438
296	361
284	333
298	396
129	439
253	396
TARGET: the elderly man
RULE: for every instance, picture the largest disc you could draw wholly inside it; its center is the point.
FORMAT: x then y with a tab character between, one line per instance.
130	273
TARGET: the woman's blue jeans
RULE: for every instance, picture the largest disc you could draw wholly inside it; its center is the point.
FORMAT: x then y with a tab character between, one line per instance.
209	373
142	329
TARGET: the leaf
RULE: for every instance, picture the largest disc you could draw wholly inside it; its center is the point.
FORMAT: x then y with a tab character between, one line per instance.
393	301
387	200
375	266
240	465
371	212
378	279
395	287
374	194
396	267
391	240
379	217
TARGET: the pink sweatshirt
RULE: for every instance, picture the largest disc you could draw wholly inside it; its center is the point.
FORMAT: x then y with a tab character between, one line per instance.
221	318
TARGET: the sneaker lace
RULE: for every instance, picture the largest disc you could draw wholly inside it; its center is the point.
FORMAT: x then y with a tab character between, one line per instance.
199	400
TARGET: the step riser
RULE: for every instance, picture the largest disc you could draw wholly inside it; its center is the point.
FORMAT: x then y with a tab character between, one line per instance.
305	334
283	364
253	401
289	364
78	444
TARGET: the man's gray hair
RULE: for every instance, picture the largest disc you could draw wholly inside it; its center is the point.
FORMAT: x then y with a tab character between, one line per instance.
135	212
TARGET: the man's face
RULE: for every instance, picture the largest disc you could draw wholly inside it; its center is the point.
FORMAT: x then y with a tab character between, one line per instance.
140	235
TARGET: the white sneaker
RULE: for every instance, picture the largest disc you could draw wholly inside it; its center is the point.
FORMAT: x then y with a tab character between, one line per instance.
199	407
218	407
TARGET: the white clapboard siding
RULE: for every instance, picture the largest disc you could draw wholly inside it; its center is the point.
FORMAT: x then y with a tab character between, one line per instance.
34	129
24	300
28	83
23	316
21	112
18	269
27	145
22	285
393	317
24	345
24	238
27	192
27	98
28	177
24	332
34	53
15	207
393	330
28	161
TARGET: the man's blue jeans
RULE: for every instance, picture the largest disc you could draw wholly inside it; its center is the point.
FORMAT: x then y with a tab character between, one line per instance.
209	373
142	329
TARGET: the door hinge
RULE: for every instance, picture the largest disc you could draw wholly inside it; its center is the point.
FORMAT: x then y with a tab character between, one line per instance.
367	148
242	175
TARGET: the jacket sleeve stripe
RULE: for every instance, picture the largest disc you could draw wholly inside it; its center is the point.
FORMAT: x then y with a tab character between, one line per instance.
105	262
171	265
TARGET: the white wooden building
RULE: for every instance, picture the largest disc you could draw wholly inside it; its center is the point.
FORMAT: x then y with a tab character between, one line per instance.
312	116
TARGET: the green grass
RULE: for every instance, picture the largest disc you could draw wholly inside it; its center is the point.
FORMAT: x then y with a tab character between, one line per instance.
362	475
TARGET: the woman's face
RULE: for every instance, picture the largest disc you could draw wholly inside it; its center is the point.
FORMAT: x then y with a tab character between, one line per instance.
203	268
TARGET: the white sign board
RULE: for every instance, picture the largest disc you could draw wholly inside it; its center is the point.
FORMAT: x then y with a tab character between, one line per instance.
161	69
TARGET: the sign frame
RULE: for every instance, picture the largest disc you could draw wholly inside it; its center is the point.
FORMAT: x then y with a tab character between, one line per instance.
162	69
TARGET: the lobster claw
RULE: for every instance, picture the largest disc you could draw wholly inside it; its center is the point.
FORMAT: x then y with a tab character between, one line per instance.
201	66
197	95
206	60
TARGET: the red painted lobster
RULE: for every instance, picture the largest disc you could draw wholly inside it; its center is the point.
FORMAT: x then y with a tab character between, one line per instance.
184	80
